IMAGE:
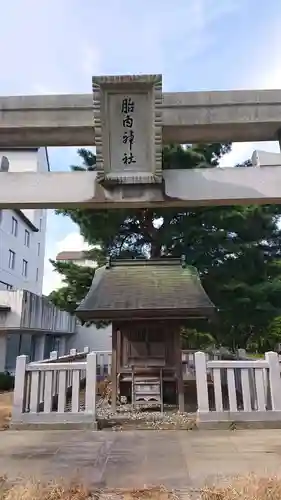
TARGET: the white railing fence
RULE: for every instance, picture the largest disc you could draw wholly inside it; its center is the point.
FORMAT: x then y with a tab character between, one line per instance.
55	392
63	390
73	355
104	363
66	358
104	360
244	390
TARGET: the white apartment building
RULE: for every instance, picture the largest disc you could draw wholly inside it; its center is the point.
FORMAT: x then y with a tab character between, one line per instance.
28	323
97	339
80	258
23	232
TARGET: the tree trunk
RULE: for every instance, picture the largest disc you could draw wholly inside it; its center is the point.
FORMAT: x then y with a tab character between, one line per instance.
155	250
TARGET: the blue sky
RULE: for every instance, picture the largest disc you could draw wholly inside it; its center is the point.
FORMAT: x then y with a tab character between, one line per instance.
49	46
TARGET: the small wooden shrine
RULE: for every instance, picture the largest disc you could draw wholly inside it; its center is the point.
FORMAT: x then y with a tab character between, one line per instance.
147	302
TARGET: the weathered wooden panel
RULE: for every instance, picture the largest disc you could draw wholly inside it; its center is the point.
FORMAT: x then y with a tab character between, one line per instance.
148	340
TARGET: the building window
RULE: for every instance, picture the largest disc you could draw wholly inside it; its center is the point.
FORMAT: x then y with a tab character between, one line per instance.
14	226
27	238
24	267
37	274
12	259
38	249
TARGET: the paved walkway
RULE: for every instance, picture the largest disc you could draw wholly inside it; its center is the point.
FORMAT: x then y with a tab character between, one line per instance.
177	459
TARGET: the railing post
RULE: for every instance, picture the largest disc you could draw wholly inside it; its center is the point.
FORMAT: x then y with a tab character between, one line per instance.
54	355
109	360
241	353
101	364
201	382
73	352
91	381
184	363
19	390
274	379
86	350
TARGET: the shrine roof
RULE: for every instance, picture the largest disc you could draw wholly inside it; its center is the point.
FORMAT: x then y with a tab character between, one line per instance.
143	289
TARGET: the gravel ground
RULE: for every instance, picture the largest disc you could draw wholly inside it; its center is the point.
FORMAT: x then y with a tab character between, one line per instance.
147	416
154	419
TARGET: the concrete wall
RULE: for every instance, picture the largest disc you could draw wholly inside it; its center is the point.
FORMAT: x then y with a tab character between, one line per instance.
39	313
30	311
33	327
23	161
12	299
95	339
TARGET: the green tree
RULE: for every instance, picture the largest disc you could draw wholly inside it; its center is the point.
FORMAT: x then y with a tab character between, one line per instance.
235	249
193	338
77	281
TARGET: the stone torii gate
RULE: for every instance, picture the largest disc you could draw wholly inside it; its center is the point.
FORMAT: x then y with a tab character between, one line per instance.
128	123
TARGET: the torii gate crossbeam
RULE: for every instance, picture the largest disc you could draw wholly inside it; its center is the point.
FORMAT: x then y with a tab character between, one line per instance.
188	117
260	184
128	120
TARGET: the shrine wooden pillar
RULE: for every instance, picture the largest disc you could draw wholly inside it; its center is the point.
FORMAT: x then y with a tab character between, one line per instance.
114	369
177	343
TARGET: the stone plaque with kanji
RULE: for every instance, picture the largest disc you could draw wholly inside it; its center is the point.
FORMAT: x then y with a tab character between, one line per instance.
128	128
